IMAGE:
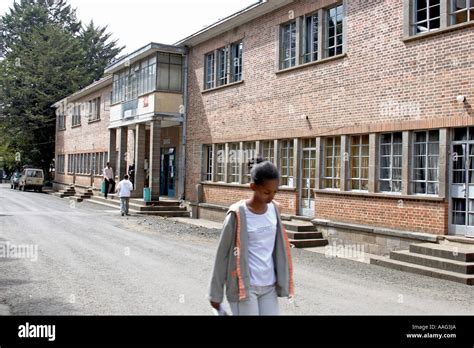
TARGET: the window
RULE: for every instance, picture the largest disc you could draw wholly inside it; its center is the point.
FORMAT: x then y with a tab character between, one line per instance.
249	154
427	15
209	164
60	164
359	163
268	150
332	163
220	162
210	66
170	72
390	177
311	43
234	162
461	11
223	66
61	122
334	31
94	109
288	45
237	61
138	79
286	163
76	115
425	175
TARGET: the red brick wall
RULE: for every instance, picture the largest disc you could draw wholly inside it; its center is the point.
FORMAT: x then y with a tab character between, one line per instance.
359	93
226	196
405	214
88	138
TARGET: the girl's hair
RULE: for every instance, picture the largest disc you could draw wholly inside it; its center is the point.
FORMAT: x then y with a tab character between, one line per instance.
261	170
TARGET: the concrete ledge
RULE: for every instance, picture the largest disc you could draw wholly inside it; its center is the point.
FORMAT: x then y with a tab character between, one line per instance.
425	237
213	206
381	195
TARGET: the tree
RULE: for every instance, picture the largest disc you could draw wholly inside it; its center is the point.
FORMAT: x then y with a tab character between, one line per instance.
47	56
99	49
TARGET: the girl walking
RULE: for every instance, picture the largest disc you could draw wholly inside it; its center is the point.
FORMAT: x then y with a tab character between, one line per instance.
253	258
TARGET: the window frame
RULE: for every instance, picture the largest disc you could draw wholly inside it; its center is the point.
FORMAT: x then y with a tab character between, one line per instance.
327	47
292	24
220	167
426	168
360	155
334	156
469	12
286	152
391	168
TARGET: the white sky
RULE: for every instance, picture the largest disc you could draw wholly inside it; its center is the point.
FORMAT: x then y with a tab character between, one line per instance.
137	23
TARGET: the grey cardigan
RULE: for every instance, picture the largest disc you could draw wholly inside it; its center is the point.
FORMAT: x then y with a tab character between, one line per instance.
231	266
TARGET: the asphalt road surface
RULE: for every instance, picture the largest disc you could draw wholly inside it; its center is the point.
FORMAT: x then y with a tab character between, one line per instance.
84	259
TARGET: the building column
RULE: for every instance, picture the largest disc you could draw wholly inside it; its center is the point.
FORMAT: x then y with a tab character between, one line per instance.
140	153
319	163
444	149
155	159
406	162
344	163
123	155
112	149
373	153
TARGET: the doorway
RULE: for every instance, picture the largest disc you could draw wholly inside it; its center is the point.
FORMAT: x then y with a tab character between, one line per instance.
308	177
168	172
461	183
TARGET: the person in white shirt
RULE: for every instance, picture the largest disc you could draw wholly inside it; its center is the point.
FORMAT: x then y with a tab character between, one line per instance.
109	180
124	189
267	255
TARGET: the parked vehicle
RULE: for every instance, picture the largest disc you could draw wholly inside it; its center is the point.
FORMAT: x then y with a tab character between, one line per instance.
31	178
15	180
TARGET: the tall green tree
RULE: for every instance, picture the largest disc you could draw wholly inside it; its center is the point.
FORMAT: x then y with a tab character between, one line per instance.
47	56
99	48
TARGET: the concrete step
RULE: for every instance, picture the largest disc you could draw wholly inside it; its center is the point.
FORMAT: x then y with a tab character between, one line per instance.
76	198
433	262
183	213
304	235
451	251
141	202
137	209
299	226
156	208
308	243
63	195
422	270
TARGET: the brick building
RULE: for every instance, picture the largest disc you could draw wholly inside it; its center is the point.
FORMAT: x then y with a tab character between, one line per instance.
82	141
364	106
134	115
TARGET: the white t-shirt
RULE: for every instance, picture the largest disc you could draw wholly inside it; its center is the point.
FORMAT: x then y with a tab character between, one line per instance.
262	233
124	187
109	172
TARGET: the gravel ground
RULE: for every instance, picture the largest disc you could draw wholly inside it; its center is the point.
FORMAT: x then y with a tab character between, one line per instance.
92	261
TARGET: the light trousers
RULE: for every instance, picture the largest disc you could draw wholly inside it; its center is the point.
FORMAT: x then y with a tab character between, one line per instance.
261	300
124	204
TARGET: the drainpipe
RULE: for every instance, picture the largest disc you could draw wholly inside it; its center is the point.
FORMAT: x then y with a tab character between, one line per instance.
182	161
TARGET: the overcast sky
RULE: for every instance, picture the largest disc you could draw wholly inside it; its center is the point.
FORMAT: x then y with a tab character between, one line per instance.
136	23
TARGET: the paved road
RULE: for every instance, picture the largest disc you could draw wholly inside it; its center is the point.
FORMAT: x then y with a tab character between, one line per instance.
92	261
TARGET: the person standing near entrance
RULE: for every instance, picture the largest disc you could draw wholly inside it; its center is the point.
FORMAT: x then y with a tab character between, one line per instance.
253	259
124	189
109	180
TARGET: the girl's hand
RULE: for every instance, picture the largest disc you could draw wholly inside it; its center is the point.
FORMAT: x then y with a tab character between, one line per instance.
215	305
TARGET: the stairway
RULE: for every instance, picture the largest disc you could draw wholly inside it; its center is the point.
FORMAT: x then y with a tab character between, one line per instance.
166	208
303	234
452	261
69	192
